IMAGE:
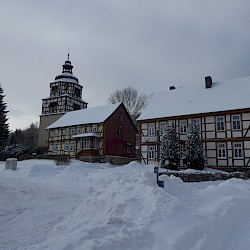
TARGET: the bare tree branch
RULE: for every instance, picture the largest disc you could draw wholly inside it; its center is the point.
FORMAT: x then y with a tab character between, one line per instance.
132	100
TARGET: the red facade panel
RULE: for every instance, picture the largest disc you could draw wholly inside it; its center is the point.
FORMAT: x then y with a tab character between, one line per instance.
120	134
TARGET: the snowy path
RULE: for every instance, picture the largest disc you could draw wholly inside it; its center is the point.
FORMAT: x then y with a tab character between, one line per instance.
100	207
29	210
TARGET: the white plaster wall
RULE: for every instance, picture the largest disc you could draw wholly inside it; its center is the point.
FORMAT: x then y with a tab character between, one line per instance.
211	162
144	148
236	133
228	134
210	119
221	135
245	124
211	145
144	125
222	163
211	153
239	163
247	153
210	127
246	116
210	135
247	144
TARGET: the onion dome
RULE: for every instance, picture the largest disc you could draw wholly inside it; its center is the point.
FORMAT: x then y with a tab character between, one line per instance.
67	71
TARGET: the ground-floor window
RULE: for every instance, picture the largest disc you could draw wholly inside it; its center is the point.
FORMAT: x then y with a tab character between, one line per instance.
66	146
55	147
238	150
221	150
129	148
151	152
72	146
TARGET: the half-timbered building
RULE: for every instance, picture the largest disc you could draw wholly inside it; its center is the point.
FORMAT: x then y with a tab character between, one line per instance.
65	95
98	134
222	112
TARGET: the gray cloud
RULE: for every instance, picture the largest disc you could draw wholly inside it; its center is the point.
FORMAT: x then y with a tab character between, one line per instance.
147	44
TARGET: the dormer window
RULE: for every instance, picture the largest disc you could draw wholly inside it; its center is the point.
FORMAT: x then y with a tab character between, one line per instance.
121	115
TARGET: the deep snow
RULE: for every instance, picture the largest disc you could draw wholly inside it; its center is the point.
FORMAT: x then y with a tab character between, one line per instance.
100	206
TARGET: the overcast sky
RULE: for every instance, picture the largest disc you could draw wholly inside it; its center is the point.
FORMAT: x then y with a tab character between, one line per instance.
149	45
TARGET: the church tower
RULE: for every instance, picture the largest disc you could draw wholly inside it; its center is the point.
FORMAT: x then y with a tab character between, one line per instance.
65	96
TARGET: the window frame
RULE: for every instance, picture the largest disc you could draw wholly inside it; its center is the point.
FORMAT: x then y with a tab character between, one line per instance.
220	125
72	131
55	147
72	146
238	151
221	150
129	148
151	129
78	129
151	152
163	127
66	146
94	128
119	130
182	126
121	116
236	124
197	121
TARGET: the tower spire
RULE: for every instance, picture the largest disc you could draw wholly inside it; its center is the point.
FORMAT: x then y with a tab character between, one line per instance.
68	53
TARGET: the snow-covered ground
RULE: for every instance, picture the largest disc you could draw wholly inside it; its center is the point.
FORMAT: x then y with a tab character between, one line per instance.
98	206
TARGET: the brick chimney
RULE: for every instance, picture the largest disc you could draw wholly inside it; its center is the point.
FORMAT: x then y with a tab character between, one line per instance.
208	82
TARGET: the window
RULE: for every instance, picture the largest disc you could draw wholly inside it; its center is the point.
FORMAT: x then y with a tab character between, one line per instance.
151	152
72	131
236	123
151	129
56	132
183	126
221	150
66	146
94	128
197	122
79	130
121	115
55	147
220	123
67	131
163	125
86	143
238	151
128	148
72	146
119	130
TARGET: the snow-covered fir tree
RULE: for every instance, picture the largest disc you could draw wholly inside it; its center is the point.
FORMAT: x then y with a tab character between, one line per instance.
4	126
170	150
194	152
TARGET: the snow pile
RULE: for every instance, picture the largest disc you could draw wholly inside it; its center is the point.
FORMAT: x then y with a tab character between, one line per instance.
101	206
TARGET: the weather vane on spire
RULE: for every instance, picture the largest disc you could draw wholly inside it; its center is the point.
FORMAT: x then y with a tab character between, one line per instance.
68	53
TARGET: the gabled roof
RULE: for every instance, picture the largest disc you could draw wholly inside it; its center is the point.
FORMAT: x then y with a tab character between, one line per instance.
85	116
222	96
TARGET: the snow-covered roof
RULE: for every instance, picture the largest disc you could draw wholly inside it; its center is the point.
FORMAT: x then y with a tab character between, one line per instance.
222	96
86	135
64	79
85	116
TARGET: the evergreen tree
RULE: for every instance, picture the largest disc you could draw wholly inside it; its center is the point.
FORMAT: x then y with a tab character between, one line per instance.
195	157
170	149
4	126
